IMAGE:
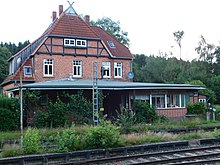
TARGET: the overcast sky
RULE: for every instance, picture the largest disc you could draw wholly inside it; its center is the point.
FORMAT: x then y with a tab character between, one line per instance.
150	23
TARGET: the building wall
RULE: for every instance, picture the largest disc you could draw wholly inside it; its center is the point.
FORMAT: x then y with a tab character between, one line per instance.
178	113
63	58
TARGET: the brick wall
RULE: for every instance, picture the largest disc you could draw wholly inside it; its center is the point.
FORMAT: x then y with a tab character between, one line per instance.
63	66
176	113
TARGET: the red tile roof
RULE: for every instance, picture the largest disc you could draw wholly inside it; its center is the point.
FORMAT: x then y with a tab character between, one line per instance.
71	25
119	50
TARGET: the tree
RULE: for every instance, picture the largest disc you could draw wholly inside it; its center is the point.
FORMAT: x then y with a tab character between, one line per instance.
178	35
205	50
113	28
4	55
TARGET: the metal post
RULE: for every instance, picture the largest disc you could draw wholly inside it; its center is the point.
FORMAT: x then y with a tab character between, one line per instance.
19	63
95	93
21	106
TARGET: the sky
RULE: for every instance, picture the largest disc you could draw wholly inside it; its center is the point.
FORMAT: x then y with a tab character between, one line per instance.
150	23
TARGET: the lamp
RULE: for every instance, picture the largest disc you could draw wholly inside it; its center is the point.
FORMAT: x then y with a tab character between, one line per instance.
19	62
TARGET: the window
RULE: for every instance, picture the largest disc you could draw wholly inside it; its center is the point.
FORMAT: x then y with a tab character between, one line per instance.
48	67
176	100
81	43
27	71
69	42
158	101
111	44
106	69
44	100
118	69
202	100
11	67
77	68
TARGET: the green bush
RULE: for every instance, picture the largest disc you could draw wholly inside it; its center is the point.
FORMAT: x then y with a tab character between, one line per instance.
41	119
9	113
80	108
31	141
11	151
104	135
145	113
67	140
57	113
196	108
125	119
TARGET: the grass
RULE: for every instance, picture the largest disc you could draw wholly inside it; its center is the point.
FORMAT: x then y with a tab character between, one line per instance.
140	134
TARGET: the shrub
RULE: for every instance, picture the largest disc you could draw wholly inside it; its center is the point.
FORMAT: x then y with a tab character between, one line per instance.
41	119
9	113
31	141
125	119
80	108
11	151
57	113
145	113
196	108
104	135
216	133
67	140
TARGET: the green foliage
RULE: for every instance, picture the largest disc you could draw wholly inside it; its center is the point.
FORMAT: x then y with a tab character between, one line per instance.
113	28
6	50
57	113
80	108
145	113
9	113
105	135
196	108
11	151
74	109
67	140
31	141
4	55
216	133
41	119
125	119
191	122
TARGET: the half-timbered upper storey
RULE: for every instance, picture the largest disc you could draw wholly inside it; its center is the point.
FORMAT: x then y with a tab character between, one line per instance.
67	48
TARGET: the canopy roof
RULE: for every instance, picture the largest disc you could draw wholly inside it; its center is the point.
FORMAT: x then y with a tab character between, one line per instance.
105	84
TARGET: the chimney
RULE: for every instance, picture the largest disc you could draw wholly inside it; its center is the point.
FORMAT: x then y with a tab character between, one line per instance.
87	19
54	15
60	9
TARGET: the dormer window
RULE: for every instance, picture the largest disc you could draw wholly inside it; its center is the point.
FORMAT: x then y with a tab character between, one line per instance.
111	44
81	43
74	42
27	71
69	42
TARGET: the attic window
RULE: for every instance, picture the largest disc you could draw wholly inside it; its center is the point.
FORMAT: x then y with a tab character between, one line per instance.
69	42
81	43
27	71
111	44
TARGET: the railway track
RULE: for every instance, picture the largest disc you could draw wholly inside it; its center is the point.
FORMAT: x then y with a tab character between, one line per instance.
198	155
138	154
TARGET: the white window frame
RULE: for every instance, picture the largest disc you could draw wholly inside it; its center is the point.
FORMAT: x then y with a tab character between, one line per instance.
168	101
49	64
107	72
69	42
118	70
80	43
11	67
77	68
111	44
25	71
